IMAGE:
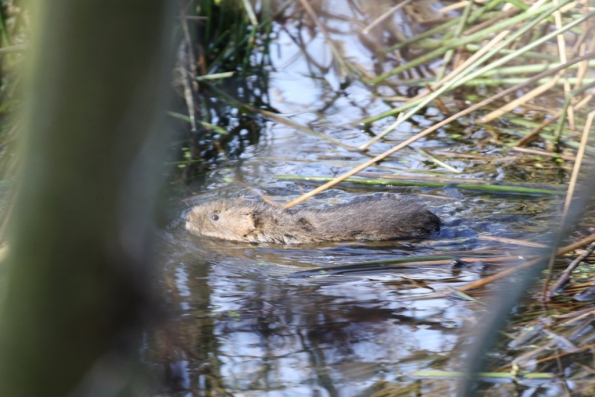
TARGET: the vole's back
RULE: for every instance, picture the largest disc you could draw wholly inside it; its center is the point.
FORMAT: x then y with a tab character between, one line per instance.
371	218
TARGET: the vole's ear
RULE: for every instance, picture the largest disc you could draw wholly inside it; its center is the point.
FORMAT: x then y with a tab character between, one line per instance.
247	221
239	201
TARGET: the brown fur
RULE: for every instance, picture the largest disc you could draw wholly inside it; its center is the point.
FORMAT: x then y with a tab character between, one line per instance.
371	218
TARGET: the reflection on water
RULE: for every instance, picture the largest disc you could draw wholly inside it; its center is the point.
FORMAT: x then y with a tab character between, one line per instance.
243	323
269	331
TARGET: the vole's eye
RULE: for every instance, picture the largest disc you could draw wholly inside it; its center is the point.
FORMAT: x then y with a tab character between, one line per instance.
215	217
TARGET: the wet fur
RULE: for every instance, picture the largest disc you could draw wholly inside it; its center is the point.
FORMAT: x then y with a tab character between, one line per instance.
383	217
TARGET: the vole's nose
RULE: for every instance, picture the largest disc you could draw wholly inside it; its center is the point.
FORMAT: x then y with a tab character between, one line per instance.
187	217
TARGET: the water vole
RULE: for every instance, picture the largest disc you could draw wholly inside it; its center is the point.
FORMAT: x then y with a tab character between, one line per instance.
383	217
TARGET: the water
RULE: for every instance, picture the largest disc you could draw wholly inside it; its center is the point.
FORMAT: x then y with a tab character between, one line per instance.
247	321
244	322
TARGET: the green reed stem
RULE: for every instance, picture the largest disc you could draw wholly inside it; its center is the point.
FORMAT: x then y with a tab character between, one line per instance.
461	185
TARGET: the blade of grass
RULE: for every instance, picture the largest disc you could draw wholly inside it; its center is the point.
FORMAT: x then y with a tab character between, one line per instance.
457	33
215	76
438	29
498	375
208	126
438	162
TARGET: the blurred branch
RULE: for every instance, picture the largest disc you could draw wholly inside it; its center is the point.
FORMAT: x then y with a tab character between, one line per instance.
81	230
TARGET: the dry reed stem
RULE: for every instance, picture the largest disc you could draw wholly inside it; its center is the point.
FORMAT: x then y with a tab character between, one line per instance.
587	30
438	162
438	101
581	75
512	241
491	44
384	16
454	6
327	37
508	272
189	75
448	261
250	12
565	276
542	153
562	52
577	164
533	134
575	316
519	101
562	354
256	192
503	15
527	355
582	67
435	127
498	276
437	262
554	117
548	276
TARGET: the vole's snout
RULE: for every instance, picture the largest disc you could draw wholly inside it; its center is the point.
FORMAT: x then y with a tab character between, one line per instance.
187	217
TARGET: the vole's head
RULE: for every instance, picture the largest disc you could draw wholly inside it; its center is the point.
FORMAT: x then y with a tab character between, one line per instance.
223	219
